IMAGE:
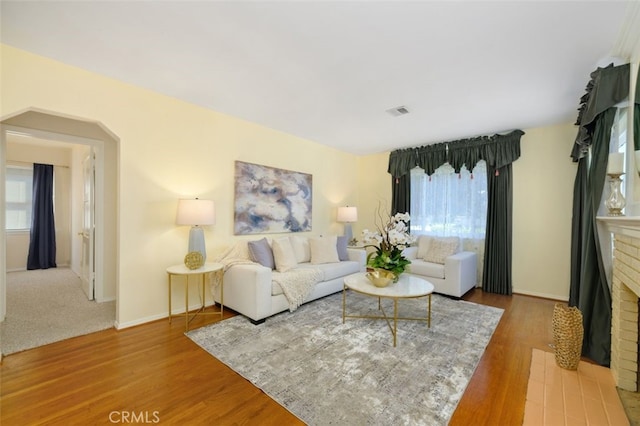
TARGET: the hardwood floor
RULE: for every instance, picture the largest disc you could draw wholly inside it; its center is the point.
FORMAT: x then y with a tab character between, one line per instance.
154	374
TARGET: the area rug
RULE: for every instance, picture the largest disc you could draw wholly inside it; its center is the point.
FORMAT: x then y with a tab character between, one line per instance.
329	373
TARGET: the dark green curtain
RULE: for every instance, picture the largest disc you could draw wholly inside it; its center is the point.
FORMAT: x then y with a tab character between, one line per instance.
579	201
496	275
401	161
636	119
499	151
401	194
594	300
589	290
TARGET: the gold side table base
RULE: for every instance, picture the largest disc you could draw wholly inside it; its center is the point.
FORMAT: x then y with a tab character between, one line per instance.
204	271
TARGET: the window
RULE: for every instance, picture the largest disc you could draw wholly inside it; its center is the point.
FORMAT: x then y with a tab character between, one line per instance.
449	204
18	197
619	139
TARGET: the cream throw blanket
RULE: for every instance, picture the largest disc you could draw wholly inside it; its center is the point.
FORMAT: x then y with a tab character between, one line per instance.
296	284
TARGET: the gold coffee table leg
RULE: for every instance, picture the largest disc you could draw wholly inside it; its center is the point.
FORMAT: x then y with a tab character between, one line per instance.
344	301
395	320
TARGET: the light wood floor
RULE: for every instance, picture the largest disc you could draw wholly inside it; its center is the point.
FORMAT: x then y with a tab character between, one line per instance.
154	374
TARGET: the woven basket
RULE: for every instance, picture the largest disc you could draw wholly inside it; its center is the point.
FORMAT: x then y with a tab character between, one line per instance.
567	335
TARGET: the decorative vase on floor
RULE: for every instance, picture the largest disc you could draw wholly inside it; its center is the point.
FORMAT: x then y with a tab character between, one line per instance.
568	332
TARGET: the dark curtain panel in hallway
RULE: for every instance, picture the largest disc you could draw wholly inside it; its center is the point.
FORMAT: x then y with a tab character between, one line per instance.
42	245
499	151
589	290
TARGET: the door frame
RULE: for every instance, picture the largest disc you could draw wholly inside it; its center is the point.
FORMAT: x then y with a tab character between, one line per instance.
98	148
88	177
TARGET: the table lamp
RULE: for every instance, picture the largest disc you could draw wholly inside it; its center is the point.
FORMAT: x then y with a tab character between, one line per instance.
196	213
348	215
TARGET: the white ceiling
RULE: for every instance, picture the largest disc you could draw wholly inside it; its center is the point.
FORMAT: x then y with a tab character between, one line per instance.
328	71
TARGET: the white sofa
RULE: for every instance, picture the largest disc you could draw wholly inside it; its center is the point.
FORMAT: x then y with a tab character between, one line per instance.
453	273
249	288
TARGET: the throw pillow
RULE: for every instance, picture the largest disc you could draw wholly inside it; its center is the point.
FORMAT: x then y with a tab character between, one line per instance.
283	254
301	248
424	241
260	251
343	254
441	248
324	250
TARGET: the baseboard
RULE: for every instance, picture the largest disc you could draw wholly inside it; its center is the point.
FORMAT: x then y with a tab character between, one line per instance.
174	312
542	295
25	268
140	321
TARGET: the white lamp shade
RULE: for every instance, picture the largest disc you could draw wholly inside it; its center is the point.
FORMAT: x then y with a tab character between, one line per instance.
196	212
347	214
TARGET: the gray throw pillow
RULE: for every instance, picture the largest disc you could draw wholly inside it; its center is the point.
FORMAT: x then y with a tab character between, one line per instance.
341	245
261	252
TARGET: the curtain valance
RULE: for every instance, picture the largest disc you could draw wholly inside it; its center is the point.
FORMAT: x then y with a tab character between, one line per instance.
497	151
608	86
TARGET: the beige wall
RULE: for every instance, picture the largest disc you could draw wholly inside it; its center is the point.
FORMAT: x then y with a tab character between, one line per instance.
21	152
374	191
542	210
170	149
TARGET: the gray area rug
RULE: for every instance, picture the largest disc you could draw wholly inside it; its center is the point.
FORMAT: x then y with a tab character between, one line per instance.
329	373
46	306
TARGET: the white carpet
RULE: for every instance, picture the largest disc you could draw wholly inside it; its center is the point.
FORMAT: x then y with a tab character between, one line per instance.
329	373
46	306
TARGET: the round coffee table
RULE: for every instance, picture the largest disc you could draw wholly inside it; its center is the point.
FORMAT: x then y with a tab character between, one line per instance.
407	287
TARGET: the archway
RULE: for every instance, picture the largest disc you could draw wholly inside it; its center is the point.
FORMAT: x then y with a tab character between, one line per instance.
53	126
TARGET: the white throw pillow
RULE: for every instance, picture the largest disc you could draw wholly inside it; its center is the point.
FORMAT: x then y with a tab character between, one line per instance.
324	250
301	248
283	254
441	248
424	241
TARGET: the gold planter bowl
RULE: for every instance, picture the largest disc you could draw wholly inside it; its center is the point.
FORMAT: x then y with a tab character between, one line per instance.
381	277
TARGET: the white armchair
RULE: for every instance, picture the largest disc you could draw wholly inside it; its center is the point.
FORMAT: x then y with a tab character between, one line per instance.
454	278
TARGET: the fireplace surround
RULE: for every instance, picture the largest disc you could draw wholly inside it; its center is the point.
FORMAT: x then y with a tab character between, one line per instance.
625	294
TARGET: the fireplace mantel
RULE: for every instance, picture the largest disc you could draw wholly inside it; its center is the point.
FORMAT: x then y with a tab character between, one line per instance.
625	225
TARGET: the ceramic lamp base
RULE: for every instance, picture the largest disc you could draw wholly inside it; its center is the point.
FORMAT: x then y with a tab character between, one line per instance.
196	241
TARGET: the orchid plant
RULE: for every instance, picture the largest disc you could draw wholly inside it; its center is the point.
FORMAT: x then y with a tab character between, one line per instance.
389	241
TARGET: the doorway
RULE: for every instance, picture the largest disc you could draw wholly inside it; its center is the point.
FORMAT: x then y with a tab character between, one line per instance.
54	127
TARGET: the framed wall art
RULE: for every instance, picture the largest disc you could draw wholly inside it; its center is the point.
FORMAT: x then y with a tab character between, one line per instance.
271	200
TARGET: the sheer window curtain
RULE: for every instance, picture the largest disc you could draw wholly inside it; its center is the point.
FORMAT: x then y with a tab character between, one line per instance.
451	204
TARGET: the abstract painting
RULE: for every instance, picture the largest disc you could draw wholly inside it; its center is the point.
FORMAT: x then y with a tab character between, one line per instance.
271	200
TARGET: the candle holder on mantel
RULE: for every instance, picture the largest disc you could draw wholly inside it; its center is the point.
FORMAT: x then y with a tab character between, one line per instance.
616	202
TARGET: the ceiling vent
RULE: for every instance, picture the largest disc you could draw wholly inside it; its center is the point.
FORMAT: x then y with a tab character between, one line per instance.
398	111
